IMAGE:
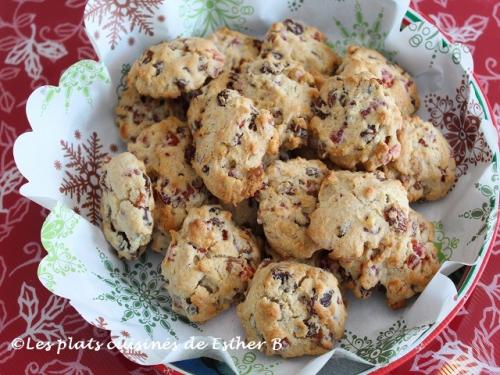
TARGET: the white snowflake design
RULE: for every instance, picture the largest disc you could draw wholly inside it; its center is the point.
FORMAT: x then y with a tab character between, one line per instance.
120	17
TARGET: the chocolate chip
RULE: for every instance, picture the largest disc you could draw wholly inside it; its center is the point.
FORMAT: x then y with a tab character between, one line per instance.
293	26
222	97
312	328
214	210
252	125
225	235
369	133
159	67
189	153
268	68
205	169
283	276
312	172
124	240
148	57
317	108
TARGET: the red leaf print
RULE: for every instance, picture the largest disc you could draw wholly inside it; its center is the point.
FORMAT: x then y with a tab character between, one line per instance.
51	49
25	19
66	30
8	73
7	101
8	43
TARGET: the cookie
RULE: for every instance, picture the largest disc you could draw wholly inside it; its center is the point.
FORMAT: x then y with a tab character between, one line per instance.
232	144
425	166
291	40
236	47
397	82
126	205
134	111
289	197
402	280
358	211
286	91
166	150
171	69
294	305
356	123
208	264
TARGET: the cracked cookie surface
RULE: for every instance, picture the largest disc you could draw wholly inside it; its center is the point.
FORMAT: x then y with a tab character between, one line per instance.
425	166
402	280
358	211
356	123
232	144
134	112
292	40
126	205
236	47
397	82
297	304
286	91
285	203
209	263
166	150
171	69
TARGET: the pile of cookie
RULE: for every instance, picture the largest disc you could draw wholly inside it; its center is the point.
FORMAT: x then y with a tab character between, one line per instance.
275	175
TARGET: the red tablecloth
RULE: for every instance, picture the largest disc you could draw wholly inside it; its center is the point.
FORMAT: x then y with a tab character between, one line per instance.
38	40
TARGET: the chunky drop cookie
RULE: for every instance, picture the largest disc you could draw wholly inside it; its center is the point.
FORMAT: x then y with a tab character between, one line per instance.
298	306
286	91
170	69
356	123
289	197
166	150
134	111
359	211
398	83
425	166
403	272
232	143
126	205
291	40
209	263
236	47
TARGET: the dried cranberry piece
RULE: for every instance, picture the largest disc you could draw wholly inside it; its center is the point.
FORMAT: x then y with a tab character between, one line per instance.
171	139
396	219
181	83
189	154
337	136
225	235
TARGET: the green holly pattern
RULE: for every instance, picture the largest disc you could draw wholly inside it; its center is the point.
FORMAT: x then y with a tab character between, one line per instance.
362	33
487	212
387	344
201	17
247	364
428	36
137	287
444	244
60	224
77	79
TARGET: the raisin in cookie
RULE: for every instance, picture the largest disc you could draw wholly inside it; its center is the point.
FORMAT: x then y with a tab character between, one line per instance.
286	91
398	83
134	111
292	40
209	263
232	144
425	166
236	47
356	123
358	211
289	197
170	69
126	205
401	280
294	304
166	149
